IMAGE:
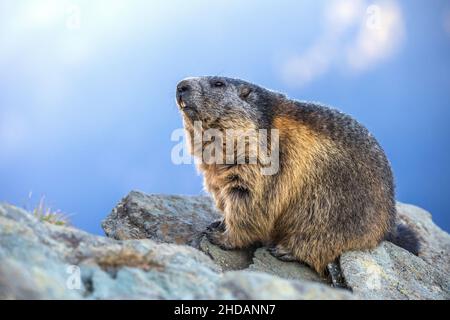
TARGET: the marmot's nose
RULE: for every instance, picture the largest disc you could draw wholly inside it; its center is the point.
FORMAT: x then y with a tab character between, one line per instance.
183	88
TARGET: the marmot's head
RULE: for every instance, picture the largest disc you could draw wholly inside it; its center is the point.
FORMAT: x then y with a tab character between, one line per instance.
224	103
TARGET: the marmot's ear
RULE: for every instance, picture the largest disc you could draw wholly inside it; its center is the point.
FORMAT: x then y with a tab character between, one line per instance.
244	91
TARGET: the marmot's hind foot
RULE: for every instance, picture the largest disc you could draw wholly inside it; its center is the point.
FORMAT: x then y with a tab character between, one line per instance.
281	253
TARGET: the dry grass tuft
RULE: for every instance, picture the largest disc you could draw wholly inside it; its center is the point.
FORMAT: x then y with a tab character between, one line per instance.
46	214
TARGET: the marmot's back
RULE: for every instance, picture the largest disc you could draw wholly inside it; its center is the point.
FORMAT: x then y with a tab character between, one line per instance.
342	190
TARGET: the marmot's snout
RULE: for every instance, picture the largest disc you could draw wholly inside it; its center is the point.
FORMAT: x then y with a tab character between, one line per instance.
185	90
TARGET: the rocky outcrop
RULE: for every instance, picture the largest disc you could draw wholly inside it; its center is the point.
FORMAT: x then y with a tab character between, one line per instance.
434	242
167	219
43	261
156	249
263	261
388	272
227	259
184	219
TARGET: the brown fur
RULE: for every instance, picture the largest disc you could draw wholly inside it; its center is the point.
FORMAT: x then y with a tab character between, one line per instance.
334	191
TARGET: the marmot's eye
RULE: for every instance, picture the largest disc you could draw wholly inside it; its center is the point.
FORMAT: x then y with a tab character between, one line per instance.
218	84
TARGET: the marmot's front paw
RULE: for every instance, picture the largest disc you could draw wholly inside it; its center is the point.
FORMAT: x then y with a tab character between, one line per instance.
220	239
218	225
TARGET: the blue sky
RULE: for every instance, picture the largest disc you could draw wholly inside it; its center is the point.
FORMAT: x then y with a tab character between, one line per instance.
87	88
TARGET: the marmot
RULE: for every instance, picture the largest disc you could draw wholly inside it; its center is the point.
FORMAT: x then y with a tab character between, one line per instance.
334	188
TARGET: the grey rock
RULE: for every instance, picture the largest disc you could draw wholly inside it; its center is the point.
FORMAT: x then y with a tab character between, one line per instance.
156	256
263	261
257	285
434	242
182	220
44	261
390	272
163	218
227	259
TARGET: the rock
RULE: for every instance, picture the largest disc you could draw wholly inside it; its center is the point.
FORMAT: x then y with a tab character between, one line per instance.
263	261
43	261
390	272
434	242
182	220
227	259
256	285
163	218
260	260
175	219
161	253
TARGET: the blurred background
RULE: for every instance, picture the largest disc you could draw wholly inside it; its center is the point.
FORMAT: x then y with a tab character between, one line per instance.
87	88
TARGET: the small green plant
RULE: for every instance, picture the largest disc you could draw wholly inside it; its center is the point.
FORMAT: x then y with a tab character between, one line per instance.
46	214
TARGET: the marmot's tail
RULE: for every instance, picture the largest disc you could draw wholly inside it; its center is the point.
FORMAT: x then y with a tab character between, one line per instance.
405	237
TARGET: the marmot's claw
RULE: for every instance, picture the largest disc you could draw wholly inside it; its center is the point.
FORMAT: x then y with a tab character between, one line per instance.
213	237
210	236
218	238
218	225
281	254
